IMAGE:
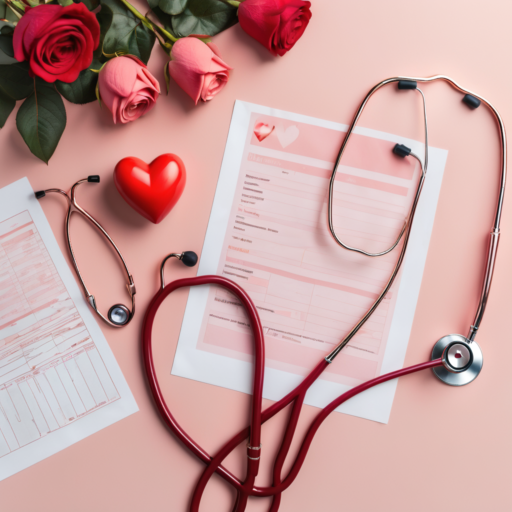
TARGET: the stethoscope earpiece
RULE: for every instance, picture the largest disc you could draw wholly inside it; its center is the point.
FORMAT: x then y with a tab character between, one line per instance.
401	150
189	258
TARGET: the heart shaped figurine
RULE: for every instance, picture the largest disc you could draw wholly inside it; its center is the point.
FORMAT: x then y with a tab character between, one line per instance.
151	189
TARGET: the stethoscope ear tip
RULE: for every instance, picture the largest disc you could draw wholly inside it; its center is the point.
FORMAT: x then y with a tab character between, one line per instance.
40	194
401	150
189	258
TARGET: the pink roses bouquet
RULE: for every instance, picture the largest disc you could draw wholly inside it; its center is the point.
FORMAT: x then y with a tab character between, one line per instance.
98	49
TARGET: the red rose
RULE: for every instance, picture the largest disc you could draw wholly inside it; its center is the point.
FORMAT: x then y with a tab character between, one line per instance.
276	24
57	41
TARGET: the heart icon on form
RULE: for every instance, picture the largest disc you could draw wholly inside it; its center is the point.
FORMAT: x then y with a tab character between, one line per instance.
286	137
262	131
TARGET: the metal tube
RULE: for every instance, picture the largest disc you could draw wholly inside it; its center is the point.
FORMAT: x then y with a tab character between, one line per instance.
330	357
74	207
337	163
493	245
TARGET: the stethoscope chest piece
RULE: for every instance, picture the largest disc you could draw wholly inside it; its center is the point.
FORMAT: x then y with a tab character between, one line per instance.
119	314
462	360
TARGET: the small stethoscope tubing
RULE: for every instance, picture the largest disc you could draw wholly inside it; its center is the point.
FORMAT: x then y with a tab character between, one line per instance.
118	315
454	355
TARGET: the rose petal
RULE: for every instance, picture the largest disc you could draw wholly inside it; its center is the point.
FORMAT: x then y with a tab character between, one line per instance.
127	88
198	68
58	41
213	84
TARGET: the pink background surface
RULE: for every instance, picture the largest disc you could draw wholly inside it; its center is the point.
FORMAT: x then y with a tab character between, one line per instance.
444	448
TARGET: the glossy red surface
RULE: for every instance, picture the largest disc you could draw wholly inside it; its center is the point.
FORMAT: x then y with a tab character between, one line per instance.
151	189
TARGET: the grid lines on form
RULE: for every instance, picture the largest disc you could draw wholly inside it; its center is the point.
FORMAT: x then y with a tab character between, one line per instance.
51	373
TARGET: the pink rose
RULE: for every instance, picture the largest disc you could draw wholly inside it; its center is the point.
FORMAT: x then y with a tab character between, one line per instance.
57	41
276	24
127	88
198	68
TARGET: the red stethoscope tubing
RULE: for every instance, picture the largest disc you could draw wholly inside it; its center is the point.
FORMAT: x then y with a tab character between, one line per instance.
253	432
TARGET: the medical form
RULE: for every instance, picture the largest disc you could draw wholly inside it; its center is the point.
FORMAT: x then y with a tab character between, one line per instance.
59	381
268	232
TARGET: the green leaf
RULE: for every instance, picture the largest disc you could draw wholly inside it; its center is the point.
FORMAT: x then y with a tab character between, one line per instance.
6	106
167	77
141	43
90	4
82	90
6	45
126	33
15	80
6	12
41	120
104	18
6	48
204	17
7	27
164	18
172	7
64	3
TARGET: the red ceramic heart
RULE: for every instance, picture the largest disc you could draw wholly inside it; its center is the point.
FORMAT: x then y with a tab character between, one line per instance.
151	189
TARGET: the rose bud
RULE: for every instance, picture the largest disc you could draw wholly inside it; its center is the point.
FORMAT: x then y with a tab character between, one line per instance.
57	41
127	88
276	24
198	68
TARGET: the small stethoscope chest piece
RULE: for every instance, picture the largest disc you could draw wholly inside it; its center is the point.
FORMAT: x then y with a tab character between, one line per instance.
119	314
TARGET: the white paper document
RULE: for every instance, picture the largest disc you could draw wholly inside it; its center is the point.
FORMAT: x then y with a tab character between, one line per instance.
268	232
59	381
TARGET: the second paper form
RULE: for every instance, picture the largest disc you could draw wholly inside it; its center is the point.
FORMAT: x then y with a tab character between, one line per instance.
268	232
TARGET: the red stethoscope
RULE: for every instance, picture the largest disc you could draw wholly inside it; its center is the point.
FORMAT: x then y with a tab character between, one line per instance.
246	487
455	360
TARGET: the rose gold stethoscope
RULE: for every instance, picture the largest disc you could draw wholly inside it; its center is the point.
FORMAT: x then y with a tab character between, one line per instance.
455	359
118	315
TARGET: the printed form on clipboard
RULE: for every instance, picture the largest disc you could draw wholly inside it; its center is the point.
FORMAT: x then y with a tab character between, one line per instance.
268	232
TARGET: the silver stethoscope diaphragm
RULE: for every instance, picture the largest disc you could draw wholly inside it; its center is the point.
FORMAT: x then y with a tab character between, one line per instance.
457	357
462	360
119	314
